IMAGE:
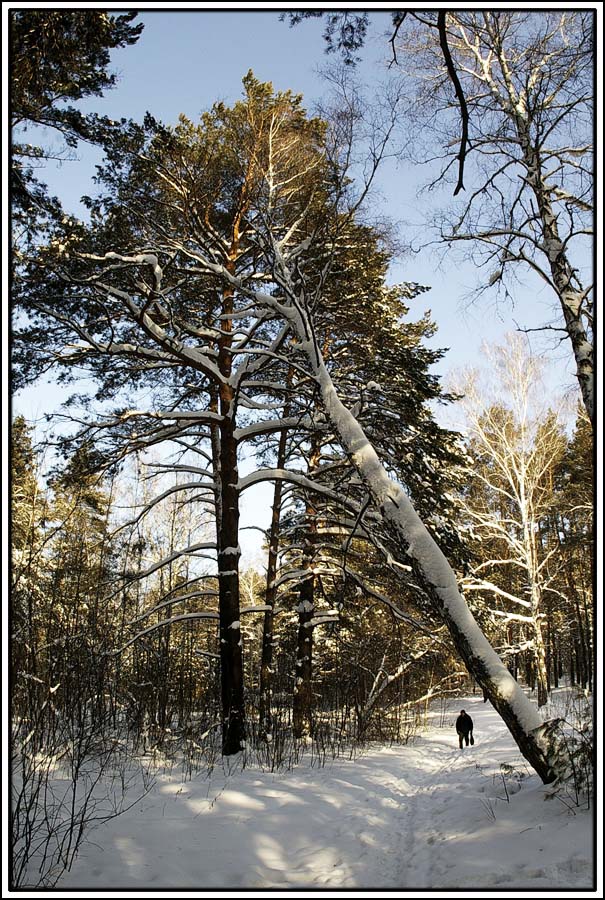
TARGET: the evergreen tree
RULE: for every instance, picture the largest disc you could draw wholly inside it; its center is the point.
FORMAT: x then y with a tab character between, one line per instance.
78	621
569	530
28	578
515	447
58	57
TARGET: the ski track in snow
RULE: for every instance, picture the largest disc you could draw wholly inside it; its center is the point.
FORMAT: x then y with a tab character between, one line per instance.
425	815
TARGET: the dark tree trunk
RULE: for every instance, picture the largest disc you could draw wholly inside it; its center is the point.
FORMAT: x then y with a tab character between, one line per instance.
164	673
579	667
232	679
555	666
589	650
548	647
228	552
302	709
564	278
266	665
582	649
541	677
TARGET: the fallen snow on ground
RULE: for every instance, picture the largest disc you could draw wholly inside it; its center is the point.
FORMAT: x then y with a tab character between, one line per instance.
426	815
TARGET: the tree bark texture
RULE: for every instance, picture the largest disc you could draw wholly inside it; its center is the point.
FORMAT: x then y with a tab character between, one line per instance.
302	707
232	681
266	666
228	551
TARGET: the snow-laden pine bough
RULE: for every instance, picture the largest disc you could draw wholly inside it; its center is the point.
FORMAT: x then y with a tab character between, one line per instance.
536	739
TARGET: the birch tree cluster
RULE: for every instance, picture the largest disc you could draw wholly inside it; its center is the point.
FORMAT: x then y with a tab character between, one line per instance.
522	513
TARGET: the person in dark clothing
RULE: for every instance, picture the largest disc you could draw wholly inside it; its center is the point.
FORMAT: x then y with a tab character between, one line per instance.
464	727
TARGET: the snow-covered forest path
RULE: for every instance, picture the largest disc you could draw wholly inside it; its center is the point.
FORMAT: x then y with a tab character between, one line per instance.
426	815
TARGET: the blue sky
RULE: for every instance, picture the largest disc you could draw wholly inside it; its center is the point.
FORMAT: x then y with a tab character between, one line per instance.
184	61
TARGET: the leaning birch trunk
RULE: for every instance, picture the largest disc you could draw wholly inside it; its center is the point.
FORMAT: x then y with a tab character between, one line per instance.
565	279
438	581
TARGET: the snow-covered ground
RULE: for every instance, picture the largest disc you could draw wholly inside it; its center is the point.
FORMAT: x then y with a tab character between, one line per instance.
422	816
